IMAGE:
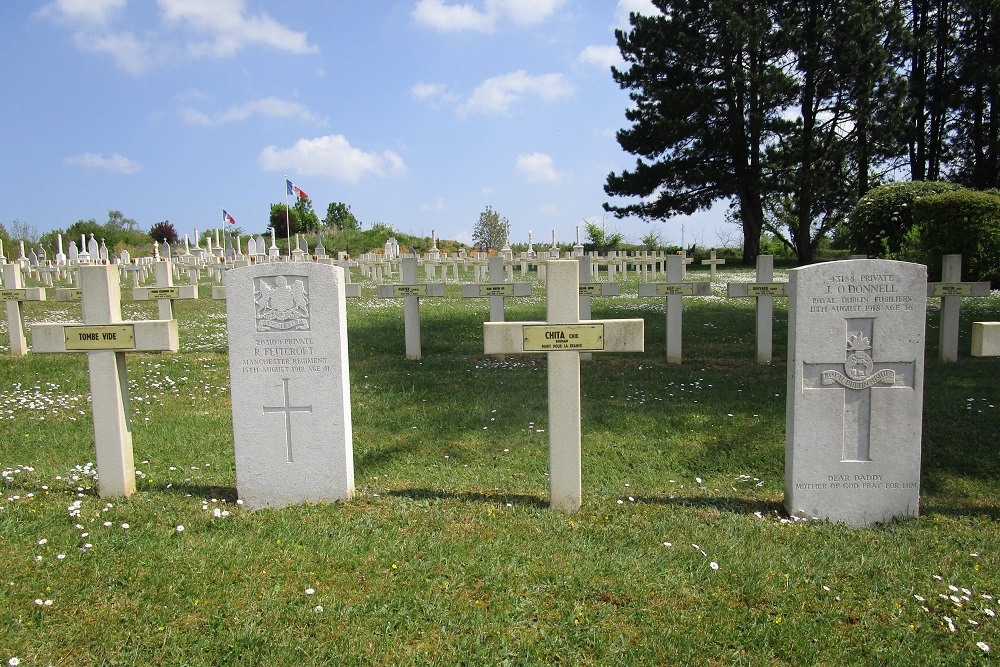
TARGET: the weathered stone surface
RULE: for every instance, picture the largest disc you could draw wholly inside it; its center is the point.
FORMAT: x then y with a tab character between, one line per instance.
291	397
855	390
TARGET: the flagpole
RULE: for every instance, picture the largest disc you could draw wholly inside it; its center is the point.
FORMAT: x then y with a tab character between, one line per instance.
288	233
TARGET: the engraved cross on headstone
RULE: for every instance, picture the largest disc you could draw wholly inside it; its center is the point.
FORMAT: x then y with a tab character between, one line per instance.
857	376
287	410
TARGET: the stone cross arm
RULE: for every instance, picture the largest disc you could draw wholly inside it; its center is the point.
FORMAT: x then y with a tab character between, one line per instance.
23	294
958	289
599	289
584	336
421	289
496	289
138	336
734	290
172	292
675	289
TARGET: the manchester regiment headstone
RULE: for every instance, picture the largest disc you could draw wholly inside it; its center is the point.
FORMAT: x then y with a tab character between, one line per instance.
291	397
855	390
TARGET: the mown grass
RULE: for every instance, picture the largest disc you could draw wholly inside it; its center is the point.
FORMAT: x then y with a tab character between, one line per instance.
449	553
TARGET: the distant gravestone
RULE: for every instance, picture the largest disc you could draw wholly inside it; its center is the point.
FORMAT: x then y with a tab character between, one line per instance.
855	390
291	397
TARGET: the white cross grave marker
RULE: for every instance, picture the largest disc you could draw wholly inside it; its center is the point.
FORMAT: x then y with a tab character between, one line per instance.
411	293
712	262
764	291
15	293
563	336
105	337
675	289
496	290
165	291
951	290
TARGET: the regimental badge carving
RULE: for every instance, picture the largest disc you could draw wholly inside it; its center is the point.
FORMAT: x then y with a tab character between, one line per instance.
282	303
858	366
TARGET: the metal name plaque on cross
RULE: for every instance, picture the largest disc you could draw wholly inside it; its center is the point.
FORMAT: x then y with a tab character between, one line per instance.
855	390
100	337
553	337
287	327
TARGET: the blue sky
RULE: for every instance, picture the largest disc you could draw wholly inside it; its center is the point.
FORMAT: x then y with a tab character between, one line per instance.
417	113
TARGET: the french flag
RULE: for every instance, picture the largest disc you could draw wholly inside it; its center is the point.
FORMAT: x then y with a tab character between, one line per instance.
228	218
295	190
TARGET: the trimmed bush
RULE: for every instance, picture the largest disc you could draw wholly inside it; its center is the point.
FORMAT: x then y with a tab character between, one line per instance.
879	223
965	222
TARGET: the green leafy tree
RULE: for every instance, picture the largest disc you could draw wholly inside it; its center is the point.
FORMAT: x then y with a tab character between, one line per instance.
976	148
339	216
840	63
164	231
308	220
491	231
708	87
599	240
283	226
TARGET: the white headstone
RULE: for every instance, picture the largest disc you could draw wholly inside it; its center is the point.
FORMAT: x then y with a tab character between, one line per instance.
855	390
291	397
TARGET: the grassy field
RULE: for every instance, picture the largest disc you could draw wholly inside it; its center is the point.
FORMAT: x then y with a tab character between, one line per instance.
449	553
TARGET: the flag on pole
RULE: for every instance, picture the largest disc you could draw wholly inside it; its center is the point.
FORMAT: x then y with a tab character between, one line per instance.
228	218
295	190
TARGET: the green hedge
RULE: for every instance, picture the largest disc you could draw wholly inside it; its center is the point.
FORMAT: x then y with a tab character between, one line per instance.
965	222
880	221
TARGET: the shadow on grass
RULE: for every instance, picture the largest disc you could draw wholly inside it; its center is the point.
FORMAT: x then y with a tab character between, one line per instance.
471	497
953	509
720	503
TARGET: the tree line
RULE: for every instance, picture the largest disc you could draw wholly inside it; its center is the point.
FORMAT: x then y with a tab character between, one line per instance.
793	111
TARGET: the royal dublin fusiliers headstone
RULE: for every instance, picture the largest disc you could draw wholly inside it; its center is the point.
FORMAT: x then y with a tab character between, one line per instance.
855	390
291	396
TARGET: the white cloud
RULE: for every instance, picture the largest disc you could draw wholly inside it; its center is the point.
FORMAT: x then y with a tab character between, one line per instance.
128	52
436	207
626	7
272	107
433	94
424	91
203	28
91	12
448	18
537	168
229	28
332	156
528	12
499	93
116	164
602	56
451	18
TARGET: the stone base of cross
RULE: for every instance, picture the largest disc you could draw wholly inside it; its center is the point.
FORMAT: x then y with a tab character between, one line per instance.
105	338
563	336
